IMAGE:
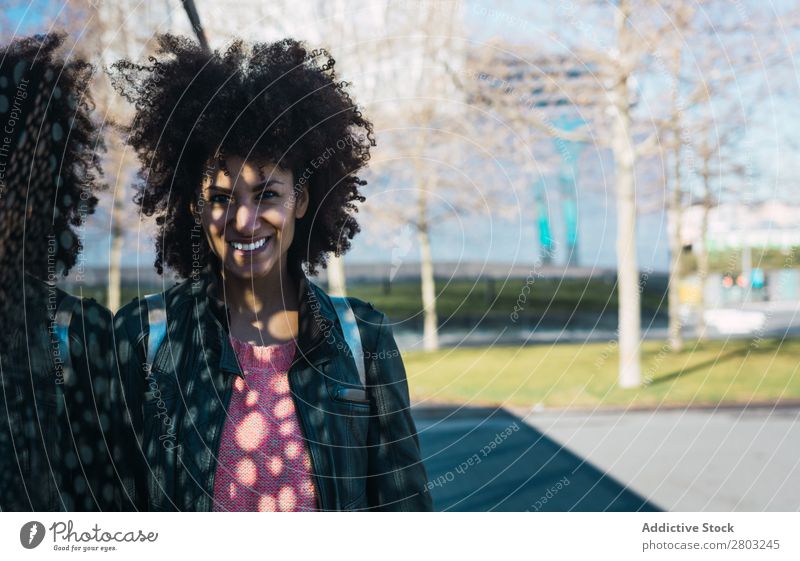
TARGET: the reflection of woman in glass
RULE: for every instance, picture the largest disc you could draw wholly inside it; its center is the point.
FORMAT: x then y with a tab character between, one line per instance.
252	401
55	349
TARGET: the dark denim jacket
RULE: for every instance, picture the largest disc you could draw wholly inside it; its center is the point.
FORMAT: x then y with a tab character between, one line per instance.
364	452
54	421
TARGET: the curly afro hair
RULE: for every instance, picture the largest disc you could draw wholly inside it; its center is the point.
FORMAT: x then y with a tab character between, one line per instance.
271	102
49	163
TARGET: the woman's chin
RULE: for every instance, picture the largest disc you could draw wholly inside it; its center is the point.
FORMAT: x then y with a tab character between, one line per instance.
249	270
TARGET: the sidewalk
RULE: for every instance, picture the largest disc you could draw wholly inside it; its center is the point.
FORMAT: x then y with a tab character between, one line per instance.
690	460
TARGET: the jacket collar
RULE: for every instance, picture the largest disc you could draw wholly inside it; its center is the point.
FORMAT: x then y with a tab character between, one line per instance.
316	339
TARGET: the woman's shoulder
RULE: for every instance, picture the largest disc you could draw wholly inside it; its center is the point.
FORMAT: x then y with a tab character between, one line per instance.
375	318
93	316
81	324
363	310
373	324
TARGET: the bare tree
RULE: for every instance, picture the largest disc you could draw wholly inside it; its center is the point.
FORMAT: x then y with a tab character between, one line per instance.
614	95
105	32
405	75
647	42
710	53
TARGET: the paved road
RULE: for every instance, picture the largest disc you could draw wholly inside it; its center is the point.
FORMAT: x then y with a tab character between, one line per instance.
696	460
745	321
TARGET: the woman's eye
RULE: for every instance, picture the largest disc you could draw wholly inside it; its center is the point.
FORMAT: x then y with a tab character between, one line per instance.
268	194
219	198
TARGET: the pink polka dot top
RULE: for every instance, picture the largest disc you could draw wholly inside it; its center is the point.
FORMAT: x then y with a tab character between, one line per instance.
263	462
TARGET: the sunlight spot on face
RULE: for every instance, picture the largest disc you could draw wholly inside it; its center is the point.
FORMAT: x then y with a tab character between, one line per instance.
286	499
246	471
239	385
252	398
246	171
220	179
251	432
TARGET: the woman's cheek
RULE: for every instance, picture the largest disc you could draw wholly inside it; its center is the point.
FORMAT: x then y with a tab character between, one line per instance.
213	230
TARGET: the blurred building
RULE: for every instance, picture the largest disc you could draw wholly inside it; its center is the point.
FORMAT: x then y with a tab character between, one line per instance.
744	230
732	226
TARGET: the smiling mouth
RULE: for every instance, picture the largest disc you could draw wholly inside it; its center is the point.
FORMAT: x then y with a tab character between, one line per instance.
251	247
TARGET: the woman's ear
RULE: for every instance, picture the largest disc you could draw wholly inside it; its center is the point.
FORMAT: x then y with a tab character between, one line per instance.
301	202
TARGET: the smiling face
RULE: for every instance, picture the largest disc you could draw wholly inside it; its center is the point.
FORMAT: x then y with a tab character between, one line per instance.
249	216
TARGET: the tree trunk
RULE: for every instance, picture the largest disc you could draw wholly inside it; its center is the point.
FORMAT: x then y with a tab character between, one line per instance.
430	332
110	28
114	297
627	270
675	243
425	179
627	266
336	276
702	258
676	251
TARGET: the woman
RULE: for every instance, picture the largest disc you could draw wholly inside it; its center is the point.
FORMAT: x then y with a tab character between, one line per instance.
55	349
248	396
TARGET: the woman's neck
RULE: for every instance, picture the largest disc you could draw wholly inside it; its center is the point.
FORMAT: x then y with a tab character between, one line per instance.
263	311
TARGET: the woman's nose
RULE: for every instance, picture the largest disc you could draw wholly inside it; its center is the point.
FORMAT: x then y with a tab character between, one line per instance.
246	218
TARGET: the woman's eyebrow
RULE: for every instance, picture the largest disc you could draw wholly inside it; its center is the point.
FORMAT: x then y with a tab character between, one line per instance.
256	186
266	183
216	187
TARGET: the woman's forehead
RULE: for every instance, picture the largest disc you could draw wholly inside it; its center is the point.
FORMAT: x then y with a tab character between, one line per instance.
236	170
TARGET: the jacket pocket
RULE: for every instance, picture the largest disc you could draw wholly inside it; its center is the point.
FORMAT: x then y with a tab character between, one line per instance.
342	382
351	395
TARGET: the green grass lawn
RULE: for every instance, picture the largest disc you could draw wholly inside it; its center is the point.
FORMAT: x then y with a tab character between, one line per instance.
463	302
585	375
468	299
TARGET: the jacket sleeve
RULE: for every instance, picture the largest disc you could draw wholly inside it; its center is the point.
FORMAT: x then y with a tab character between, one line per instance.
396	477
127	388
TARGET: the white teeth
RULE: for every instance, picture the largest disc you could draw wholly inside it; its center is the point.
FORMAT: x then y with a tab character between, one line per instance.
249	246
